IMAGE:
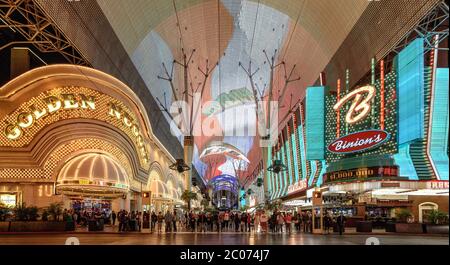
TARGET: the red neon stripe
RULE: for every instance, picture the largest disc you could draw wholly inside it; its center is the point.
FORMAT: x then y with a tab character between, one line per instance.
382	94
338	112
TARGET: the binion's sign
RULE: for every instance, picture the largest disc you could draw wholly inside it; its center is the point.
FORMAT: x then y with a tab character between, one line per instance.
359	141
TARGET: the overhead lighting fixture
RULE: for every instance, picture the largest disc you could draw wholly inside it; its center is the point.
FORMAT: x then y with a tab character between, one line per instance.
180	166
277	166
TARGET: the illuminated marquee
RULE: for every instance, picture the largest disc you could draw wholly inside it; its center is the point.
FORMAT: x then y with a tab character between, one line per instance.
438	185
357	124
359	141
298	186
22	125
360	174
52	104
120	114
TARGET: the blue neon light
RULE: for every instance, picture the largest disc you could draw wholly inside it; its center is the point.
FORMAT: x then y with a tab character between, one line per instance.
315	123
410	91
440	124
303	160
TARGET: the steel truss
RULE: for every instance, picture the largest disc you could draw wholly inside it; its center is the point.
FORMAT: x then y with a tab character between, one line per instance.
433	23
30	20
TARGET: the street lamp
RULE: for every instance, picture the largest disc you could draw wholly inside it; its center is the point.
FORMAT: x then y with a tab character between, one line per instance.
179	166
277	166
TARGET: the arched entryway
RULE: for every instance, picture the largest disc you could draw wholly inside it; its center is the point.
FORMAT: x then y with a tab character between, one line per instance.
93	182
424	209
160	201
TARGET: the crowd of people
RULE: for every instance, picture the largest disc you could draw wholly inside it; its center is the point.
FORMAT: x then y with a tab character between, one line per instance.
234	221
226	221
82	217
127	221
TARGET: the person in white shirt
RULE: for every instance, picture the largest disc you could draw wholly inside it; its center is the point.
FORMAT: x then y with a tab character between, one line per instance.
257	222
263	220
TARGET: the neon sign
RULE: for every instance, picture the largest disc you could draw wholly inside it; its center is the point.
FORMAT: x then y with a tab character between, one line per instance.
298	186
360	174
52	104
360	106
52	107
120	114
359	141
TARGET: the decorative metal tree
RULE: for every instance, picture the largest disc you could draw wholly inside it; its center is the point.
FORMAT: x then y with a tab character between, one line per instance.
186	126
264	112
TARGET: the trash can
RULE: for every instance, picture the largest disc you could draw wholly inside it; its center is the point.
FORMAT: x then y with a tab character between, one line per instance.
100	224
364	226
390	227
92	225
96	225
70	226
132	225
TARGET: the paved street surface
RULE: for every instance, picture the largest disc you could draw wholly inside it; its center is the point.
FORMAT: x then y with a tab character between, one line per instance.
218	239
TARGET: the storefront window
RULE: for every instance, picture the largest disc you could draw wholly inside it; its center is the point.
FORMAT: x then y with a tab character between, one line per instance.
9	200
91	205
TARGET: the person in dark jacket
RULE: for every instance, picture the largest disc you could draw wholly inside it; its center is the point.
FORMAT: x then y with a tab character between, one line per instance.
237	220
340	220
175	220
327	223
244	222
154	219
273	222
216	221
113	217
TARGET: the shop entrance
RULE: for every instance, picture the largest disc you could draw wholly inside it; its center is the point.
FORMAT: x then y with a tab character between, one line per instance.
425	209
91	205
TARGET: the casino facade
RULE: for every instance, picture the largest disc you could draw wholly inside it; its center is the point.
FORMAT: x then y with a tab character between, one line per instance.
371	149
75	135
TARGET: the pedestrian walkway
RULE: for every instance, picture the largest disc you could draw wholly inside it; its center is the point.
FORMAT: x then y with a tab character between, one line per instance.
229	238
109	229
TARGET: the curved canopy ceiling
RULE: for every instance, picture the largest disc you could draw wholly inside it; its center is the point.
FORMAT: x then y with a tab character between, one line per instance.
304	33
93	173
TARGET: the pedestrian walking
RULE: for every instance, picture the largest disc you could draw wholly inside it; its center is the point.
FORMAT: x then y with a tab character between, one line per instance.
160	220
341	223
113	217
288	220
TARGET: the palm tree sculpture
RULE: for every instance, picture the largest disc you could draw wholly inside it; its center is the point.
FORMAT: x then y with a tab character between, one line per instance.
55	210
188	196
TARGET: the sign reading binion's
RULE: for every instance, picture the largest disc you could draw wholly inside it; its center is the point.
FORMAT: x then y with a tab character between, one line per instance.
359	141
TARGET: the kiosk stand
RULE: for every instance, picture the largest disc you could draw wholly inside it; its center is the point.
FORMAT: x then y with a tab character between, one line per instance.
317	213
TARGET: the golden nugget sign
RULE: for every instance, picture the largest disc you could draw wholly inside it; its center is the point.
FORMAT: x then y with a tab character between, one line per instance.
118	113
52	104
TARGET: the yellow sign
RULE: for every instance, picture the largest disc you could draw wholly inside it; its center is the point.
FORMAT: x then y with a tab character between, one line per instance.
8	199
71	102
84	182
120	114
360	106
52	104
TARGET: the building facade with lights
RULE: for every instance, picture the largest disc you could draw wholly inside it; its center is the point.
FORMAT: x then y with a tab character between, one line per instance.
76	135
372	148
